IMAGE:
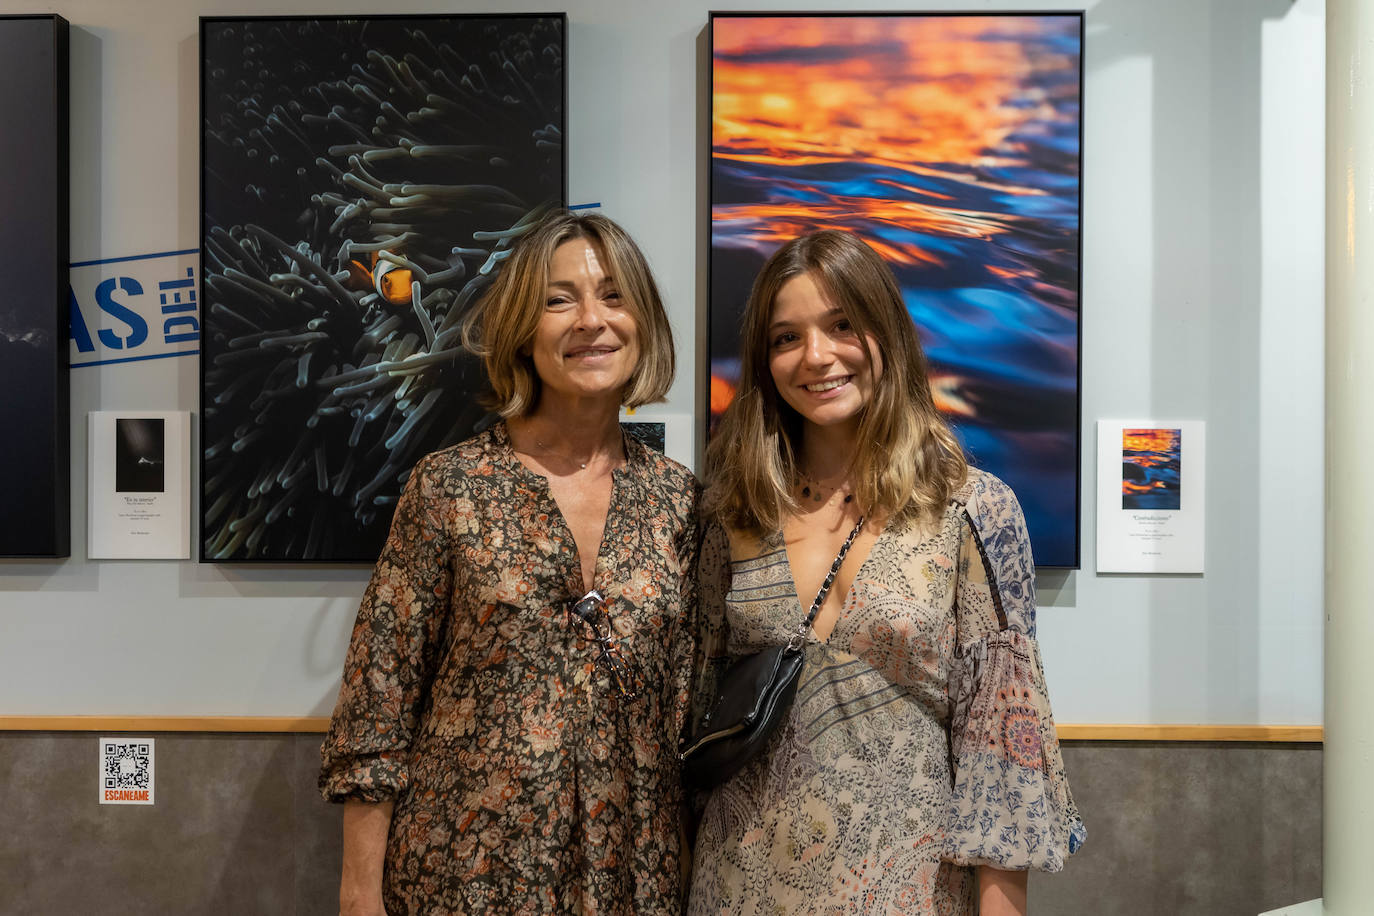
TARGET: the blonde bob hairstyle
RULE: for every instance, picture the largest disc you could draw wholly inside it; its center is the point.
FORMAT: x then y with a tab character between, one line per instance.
907	461
500	328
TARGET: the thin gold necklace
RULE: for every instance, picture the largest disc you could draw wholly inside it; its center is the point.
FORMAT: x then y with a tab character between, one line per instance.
549	451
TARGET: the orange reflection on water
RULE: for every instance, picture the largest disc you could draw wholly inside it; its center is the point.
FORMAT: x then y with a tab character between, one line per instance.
899	91
948	392
775	223
722	393
1128	487
1161	446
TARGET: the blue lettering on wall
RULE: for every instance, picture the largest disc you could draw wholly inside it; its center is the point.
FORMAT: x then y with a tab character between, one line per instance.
79	332
171	296
104	297
170	323
133	309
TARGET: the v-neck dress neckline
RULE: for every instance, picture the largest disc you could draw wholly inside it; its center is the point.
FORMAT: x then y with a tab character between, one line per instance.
779	543
615	509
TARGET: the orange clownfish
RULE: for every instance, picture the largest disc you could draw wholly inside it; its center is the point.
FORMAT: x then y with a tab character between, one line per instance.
391	281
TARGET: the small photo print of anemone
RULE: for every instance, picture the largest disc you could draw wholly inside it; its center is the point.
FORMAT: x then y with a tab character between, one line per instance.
363	179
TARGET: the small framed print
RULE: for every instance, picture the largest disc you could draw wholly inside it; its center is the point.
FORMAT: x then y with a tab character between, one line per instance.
1151	489
669	433
140	485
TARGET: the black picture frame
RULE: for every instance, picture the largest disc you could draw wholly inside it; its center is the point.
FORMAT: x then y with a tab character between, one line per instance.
35	452
345	159
1019	419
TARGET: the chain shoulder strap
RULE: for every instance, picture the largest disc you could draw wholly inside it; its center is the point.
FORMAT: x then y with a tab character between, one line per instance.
829	581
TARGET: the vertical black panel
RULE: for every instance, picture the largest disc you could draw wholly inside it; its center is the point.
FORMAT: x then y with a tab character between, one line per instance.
35	447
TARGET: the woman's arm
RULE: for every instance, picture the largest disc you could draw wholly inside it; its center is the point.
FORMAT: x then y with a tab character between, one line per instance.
365	826
387	676
1002	735
1001	893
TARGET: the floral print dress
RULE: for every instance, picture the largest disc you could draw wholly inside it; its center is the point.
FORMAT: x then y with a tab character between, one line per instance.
522	781
920	743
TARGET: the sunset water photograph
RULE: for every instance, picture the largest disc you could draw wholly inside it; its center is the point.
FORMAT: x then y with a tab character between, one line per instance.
951	145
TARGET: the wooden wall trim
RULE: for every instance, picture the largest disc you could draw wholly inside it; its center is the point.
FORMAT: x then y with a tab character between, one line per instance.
306	724
316	724
1278	733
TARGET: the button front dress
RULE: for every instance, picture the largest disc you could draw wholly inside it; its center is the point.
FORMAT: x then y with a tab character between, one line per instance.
920	743
522	782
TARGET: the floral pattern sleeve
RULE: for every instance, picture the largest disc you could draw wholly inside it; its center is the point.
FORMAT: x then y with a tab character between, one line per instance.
393	651
712	631
1010	806
687	545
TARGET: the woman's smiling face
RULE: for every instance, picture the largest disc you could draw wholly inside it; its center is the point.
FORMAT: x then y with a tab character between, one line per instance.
587	343
817	358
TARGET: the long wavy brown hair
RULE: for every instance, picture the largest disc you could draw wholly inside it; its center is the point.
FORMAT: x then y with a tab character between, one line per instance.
907	461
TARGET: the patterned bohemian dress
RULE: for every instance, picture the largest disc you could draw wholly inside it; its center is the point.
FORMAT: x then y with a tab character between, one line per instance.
523	782
920	743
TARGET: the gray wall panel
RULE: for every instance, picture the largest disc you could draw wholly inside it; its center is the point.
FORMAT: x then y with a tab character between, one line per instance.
1190	829
239	829
236	829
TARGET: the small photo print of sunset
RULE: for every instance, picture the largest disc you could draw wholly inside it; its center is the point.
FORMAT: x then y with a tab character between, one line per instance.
1151	468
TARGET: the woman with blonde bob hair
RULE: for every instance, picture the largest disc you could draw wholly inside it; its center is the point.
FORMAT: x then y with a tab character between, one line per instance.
917	770
503	327
505	736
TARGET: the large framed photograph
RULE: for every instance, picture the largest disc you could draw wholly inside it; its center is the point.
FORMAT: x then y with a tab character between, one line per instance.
35	450
363	178
951	144
1151	496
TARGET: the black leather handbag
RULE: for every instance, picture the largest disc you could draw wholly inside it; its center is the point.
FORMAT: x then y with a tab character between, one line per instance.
752	700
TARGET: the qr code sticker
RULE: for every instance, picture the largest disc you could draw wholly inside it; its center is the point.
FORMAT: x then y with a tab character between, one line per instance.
126	771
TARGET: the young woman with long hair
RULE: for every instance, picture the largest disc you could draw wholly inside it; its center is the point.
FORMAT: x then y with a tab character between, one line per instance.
918	769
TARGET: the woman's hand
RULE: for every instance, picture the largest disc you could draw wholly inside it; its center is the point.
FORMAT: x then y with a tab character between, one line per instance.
365	827
1001	893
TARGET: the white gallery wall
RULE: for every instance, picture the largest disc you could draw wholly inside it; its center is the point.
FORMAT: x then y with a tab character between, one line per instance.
1202	299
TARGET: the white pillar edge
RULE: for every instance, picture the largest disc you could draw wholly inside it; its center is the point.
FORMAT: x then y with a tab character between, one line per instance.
1310	908
1348	760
